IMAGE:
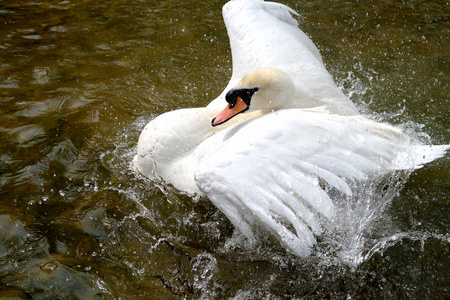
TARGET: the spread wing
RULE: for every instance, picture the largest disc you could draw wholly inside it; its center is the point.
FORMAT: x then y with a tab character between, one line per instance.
275	177
264	34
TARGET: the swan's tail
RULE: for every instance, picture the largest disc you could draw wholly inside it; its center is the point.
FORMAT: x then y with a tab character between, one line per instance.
428	153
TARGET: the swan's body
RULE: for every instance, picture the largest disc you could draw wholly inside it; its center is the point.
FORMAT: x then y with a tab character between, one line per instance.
287	131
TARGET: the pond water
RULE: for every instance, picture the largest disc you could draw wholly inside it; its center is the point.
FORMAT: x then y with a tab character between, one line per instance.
80	79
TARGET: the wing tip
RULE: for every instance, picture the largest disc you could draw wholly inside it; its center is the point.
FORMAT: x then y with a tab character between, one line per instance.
429	153
278	10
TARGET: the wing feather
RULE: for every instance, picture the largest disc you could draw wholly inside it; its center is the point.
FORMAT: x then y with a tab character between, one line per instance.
270	177
264	34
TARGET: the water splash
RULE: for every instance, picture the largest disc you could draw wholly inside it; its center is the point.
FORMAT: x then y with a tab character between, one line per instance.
361	220
362	226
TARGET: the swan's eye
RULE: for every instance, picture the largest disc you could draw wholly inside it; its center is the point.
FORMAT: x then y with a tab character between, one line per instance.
245	94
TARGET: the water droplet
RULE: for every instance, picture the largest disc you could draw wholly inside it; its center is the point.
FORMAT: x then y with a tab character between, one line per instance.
49	266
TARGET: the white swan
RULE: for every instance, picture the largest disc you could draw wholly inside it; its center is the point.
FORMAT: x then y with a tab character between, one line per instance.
285	133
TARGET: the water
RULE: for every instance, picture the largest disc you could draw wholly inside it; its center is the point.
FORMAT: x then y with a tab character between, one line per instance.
80	79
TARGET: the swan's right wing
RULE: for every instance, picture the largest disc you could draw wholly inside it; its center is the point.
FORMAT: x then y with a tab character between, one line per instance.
277	171
264	34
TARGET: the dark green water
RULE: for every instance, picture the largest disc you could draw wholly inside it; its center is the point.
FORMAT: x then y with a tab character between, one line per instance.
80	79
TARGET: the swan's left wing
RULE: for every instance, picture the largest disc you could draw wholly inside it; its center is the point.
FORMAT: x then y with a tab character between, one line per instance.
273	171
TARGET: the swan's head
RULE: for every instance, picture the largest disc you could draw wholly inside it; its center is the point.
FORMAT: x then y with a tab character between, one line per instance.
265	89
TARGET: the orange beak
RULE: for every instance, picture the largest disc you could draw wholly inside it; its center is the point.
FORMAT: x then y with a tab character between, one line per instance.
230	111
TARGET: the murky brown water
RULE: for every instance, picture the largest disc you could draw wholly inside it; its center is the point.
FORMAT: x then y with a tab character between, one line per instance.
79	80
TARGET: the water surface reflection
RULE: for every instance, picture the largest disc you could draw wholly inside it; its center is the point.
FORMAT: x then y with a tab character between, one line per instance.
79	80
